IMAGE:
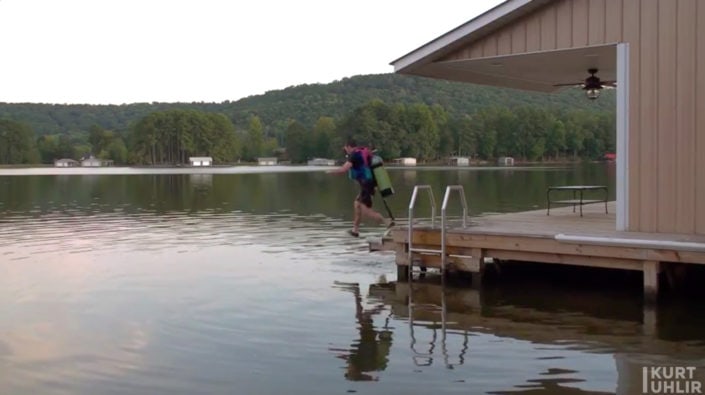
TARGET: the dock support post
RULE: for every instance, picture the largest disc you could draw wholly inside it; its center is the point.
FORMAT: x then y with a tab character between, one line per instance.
651	269
650	317
478	261
402	273
401	258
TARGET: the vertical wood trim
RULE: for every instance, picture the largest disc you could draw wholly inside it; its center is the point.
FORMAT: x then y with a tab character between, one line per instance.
476	50
667	131
519	38
596	22
613	21
648	81
631	29
700	120
548	29
580	23
489	46
564	28
623	136
462	54
685	116
533	33
504	42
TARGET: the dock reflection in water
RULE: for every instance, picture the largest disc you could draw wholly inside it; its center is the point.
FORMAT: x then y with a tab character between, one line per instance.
445	324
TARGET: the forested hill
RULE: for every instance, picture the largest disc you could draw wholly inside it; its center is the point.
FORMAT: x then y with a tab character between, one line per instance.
306	104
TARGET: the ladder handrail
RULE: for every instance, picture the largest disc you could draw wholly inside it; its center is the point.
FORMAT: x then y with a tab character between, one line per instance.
446	196
461	191
412	204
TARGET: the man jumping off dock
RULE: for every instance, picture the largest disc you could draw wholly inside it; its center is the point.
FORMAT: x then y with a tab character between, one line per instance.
358	168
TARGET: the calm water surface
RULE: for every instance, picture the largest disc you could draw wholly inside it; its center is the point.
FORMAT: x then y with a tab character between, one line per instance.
230	281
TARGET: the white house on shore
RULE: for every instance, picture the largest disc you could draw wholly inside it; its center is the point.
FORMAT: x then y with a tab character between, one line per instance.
92	161
505	161
321	162
405	161
200	161
66	163
267	161
459	161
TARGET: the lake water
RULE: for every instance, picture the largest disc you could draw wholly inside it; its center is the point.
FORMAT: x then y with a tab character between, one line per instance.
243	281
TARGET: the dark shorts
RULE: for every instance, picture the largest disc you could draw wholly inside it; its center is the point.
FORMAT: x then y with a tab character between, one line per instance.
367	189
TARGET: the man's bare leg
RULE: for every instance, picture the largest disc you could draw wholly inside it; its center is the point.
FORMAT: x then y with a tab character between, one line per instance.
357	215
370	213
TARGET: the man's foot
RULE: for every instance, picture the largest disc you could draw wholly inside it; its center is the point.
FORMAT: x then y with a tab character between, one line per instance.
353	233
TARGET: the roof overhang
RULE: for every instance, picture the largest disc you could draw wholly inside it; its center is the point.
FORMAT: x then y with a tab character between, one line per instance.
468	32
546	71
536	71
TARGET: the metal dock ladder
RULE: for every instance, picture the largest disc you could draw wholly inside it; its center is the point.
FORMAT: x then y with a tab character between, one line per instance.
412	205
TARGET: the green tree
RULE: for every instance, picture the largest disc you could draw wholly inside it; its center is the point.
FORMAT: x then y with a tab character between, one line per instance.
556	139
66	148
297	142
227	146
17	144
253	145
48	147
98	139
171	137
116	151
465	132
323	138
422	132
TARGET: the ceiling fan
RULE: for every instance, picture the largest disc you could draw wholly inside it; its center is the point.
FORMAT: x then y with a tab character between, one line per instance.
592	85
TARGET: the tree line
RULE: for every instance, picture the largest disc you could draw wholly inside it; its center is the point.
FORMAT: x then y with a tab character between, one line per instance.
427	132
304	103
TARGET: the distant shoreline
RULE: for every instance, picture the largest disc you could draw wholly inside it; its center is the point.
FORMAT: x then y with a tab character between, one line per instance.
48	170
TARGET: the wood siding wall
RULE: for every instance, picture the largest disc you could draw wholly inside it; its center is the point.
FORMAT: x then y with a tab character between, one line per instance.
666	98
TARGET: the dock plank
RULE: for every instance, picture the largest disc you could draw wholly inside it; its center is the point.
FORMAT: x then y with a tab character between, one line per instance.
532	236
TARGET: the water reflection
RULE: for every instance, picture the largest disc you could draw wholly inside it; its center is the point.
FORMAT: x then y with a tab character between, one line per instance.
303	192
369	354
458	328
201	182
213	282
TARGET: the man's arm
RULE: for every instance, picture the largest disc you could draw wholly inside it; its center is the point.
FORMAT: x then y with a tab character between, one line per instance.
342	169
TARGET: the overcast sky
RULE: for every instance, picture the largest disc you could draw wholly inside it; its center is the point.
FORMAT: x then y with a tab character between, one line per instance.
127	51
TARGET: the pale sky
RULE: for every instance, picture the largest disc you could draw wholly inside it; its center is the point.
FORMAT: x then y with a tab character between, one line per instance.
127	51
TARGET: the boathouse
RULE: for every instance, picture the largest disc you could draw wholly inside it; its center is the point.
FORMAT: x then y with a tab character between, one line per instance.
321	162
200	161
405	161
267	161
459	161
653	53
505	161
92	161
66	163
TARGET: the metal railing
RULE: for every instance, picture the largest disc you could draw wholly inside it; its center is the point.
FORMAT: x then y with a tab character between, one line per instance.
461	191
412	204
446	197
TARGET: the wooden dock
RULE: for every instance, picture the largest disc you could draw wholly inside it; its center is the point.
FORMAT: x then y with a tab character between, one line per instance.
563	237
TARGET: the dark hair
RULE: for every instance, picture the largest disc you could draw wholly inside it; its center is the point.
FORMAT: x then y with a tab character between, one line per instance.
351	142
